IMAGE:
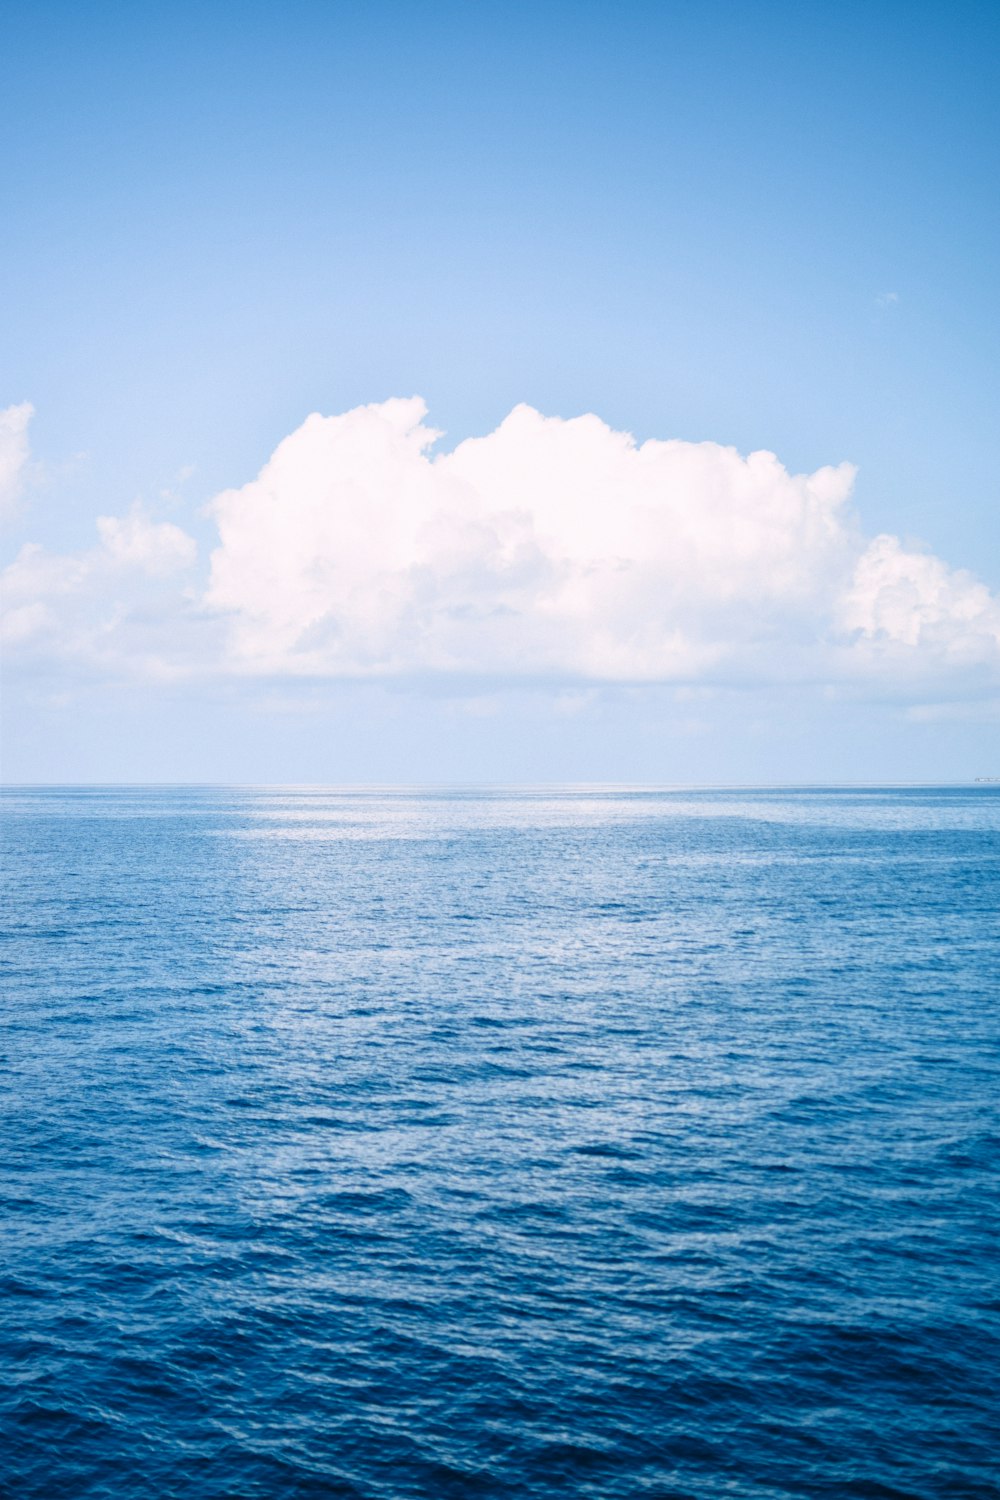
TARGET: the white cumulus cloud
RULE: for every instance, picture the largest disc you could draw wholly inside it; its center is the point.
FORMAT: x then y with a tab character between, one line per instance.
552	550
912	601
564	549
114	606
157	547
547	548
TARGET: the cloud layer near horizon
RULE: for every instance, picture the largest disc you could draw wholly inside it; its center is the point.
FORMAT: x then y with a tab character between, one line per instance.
550	549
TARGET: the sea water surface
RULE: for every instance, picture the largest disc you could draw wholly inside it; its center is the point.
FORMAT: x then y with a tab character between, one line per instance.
584	1143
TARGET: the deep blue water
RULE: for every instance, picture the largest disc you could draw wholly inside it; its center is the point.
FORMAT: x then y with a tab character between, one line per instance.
500	1144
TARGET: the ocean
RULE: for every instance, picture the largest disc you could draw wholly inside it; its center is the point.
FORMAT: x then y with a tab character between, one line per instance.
550	1143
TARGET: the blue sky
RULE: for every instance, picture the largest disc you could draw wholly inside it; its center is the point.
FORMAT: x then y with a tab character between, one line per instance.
769	226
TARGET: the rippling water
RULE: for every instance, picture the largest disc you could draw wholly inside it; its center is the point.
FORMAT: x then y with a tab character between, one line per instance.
500	1144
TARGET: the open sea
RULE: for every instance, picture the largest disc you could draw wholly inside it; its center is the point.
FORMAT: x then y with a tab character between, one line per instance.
576	1143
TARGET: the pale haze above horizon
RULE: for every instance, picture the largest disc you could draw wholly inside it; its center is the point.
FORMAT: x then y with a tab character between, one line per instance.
553	393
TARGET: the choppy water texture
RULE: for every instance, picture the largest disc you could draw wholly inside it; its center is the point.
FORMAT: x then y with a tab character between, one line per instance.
425	1145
